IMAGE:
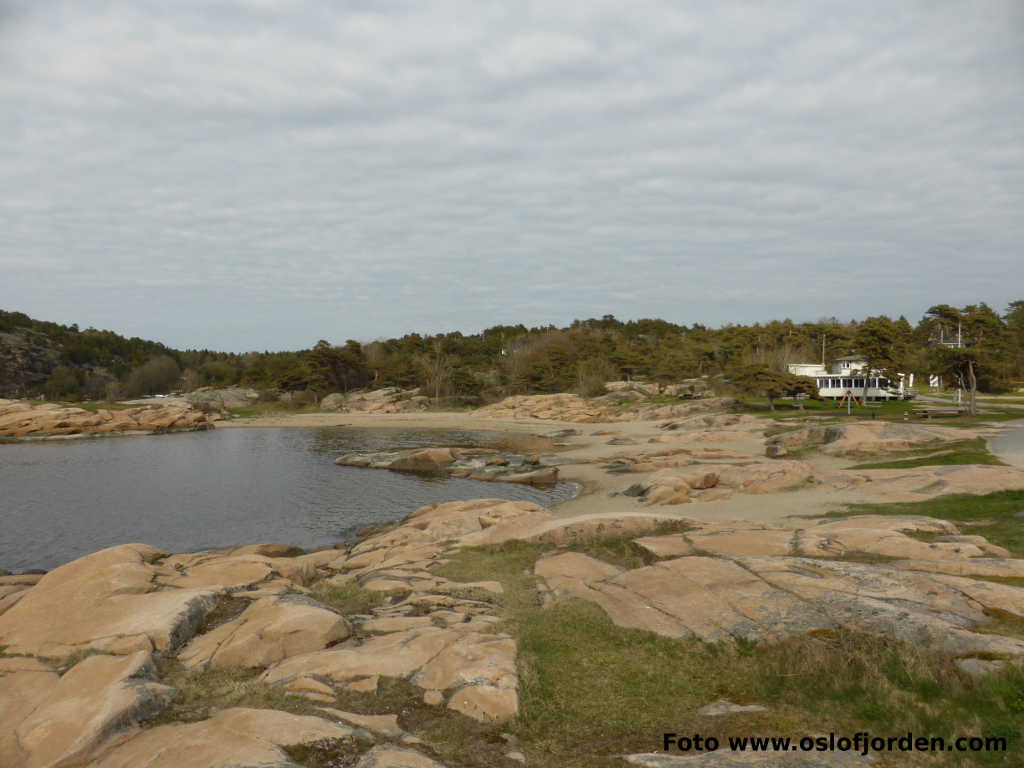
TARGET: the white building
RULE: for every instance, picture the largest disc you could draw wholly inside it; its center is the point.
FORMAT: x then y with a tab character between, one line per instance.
847	374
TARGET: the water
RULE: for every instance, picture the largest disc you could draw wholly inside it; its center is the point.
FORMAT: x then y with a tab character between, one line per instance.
186	492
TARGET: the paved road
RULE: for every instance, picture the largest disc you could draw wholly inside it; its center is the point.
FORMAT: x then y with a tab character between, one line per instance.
1009	446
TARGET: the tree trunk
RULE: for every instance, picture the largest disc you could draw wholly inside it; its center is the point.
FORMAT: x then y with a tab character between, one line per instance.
972	382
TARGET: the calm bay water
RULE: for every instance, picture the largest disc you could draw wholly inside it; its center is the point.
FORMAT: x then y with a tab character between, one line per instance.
185	492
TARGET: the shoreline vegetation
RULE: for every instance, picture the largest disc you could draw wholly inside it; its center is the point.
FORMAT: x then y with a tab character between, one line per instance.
40	358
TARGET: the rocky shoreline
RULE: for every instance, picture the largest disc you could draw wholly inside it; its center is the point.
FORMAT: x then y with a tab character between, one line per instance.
373	655
20	419
95	634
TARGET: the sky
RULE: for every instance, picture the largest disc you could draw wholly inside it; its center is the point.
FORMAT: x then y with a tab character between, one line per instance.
261	174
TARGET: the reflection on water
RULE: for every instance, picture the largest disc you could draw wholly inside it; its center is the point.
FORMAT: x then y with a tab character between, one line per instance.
185	492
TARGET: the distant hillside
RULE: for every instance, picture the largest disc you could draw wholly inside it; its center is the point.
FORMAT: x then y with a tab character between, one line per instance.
37	356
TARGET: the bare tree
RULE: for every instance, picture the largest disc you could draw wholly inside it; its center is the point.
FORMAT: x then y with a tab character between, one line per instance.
436	367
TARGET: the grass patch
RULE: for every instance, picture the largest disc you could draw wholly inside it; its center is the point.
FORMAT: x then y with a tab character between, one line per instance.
263	410
590	690
452	738
347	598
621	550
785	409
928	537
870	558
228	608
957	453
201	694
894	410
327	753
259	410
1002	623
589	687
617	550
780	429
5	655
510	563
1010	581
994	512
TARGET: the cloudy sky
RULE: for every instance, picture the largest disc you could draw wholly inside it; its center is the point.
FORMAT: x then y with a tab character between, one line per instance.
254	174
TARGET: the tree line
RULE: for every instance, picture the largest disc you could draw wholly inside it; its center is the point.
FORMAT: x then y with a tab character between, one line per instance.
972	346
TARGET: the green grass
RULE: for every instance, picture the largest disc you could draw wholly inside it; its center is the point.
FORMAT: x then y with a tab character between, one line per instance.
786	408
590	690
984	399
450	738
991	515
894	410
453	738
510	563
202	693
620	550
1010	581
347	598
264	410
1002	623
869	558
957	453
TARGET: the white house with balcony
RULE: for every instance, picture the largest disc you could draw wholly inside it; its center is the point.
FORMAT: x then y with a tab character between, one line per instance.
847	375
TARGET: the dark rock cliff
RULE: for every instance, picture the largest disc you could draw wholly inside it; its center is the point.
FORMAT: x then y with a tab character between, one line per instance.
26	359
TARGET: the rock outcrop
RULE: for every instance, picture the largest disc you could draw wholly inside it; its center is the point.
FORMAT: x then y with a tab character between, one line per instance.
869	437
686	475
212	400
127	603
473	463
22	419
921	483
386	400
237	737
89	703
719	581
269	630
696	387
741	580
615	407
678	479
27	358
104	602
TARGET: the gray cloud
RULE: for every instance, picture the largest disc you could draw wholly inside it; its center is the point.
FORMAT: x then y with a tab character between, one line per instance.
263	174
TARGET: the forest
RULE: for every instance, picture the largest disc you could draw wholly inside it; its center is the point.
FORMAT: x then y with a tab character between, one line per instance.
972	346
